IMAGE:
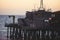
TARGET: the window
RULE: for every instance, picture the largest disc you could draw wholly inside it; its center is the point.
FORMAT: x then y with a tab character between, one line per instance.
46	20
53	15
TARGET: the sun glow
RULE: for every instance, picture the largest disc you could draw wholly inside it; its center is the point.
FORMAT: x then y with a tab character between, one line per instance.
20	6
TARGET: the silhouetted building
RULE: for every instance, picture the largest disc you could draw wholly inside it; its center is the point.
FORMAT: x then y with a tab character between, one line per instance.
36	19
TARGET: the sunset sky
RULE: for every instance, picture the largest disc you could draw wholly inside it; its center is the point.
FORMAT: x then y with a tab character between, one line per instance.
19	7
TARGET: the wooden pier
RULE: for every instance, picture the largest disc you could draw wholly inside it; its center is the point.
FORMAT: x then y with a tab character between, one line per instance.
35	27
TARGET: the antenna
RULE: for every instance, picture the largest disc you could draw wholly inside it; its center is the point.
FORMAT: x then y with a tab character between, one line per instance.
41	5
34	7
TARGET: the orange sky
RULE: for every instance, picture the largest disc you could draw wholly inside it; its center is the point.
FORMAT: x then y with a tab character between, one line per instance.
19	7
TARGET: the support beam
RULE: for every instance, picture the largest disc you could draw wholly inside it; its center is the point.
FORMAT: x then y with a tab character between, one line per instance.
7	33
